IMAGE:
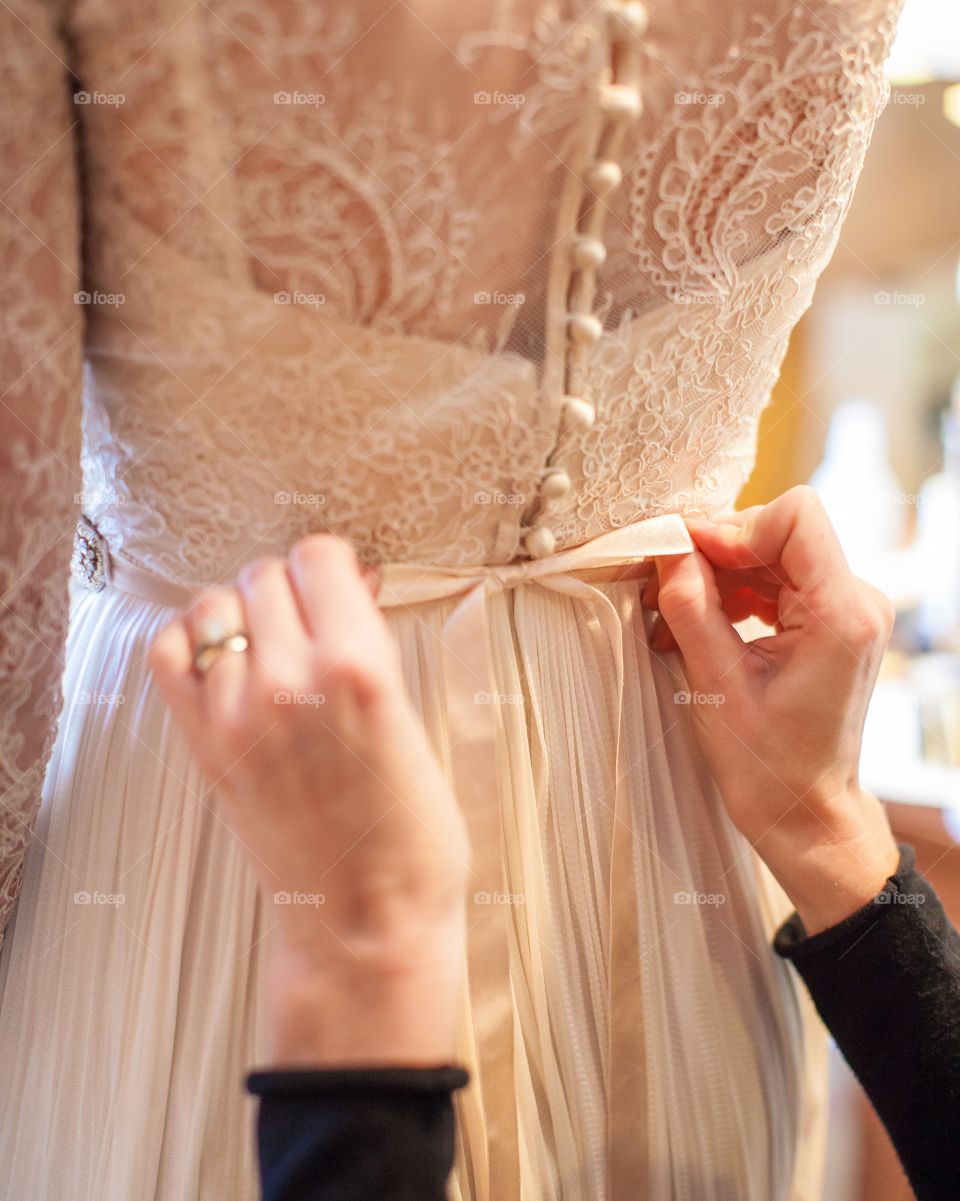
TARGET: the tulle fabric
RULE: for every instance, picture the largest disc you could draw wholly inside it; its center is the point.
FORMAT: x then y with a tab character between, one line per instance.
659	1046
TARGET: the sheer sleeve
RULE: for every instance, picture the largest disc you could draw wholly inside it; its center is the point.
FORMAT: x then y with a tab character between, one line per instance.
40	389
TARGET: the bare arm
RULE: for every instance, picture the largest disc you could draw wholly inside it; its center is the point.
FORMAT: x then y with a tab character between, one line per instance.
40	382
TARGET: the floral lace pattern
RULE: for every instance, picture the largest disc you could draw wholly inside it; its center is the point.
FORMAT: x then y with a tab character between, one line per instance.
326	253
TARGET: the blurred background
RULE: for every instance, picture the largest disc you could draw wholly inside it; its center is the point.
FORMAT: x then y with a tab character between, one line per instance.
868	411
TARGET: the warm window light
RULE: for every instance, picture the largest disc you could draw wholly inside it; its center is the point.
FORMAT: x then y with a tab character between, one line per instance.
927	45
951	103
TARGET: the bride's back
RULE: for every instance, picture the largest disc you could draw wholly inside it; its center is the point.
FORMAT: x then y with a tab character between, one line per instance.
345	239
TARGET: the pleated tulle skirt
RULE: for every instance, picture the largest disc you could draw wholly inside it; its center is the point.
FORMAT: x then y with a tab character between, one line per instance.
659	1050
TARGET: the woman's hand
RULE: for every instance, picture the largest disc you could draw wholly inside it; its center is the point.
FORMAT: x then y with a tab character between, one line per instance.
780	719
324	773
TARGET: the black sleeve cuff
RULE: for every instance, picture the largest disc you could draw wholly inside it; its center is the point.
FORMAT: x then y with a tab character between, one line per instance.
317	1082
356	1134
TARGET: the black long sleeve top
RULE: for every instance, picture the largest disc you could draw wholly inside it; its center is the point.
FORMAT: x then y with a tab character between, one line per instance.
886	982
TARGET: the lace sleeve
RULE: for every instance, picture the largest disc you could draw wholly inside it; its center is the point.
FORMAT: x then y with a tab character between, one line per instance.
40	383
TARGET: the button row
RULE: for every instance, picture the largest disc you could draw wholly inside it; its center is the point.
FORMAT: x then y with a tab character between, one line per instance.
620	103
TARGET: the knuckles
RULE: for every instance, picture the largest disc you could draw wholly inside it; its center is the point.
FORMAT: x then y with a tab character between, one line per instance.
258	570
323	552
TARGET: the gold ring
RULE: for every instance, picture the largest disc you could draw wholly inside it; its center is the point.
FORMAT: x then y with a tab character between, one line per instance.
215	639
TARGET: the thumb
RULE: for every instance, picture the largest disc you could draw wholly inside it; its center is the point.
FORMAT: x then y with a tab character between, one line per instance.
690	604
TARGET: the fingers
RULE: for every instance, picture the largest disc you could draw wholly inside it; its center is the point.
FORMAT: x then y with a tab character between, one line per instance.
691	606
276	624
335	595
171	661
792	532
350	638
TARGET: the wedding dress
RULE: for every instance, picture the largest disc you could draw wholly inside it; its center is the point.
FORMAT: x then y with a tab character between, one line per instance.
497	291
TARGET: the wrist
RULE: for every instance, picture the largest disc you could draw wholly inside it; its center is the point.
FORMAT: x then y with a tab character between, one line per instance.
380	1005
833	861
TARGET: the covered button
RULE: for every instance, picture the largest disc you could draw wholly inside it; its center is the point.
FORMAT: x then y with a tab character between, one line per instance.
556	483
585	328
620	100
540	542
578	414
628	20
604	176
588	253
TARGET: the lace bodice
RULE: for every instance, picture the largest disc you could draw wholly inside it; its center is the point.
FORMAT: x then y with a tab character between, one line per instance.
330	256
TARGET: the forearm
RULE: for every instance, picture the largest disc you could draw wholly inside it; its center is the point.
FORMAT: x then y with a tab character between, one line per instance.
886	982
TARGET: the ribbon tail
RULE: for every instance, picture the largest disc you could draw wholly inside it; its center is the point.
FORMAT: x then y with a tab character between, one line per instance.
626	1053
487	1113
